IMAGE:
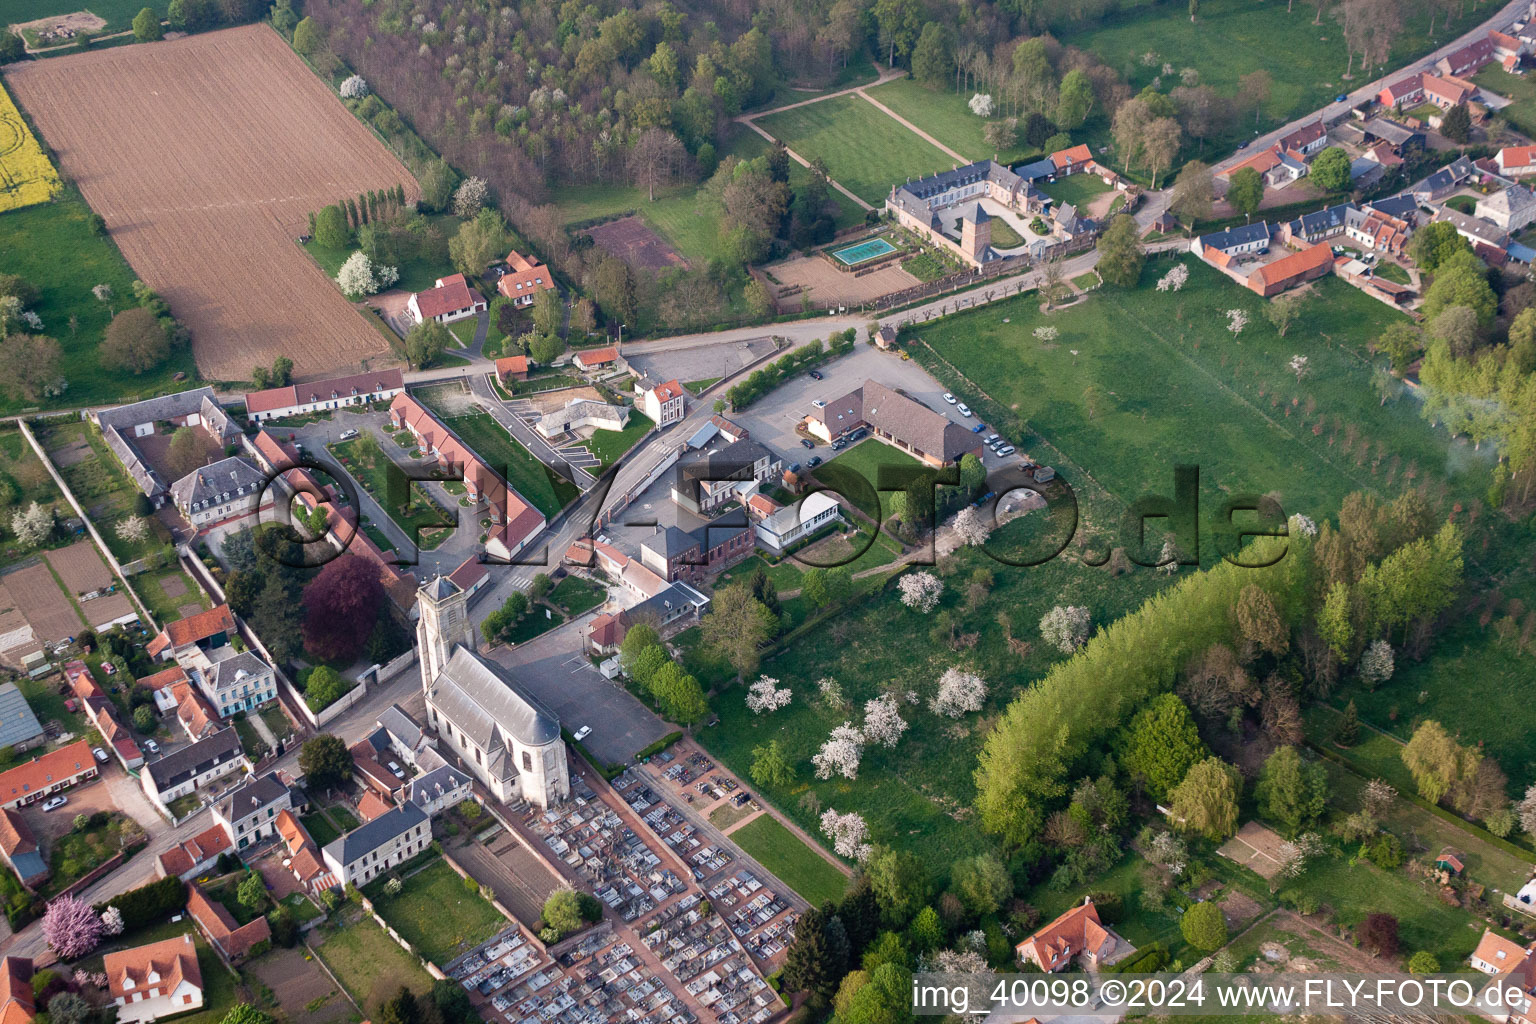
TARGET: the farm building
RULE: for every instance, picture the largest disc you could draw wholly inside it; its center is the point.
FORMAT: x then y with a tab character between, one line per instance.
452	299
525	278
898	421
510	368
1277	167
595	359
19	727
323	395
1290	271
120	427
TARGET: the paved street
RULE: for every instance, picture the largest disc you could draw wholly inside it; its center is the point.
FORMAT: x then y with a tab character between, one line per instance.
480	385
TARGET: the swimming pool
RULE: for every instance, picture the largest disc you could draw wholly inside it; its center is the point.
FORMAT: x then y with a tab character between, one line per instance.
863	252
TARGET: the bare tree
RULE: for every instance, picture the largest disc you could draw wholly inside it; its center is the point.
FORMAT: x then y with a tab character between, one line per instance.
1129	127
655	159
1160	142
1255	87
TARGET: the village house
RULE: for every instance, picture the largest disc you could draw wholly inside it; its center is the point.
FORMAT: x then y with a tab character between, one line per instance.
1305	142
323	395
1221	247
193	712
709	480
675	554
220	492
1274	165
303	858
1506	45
1076	934
47	774
885	337
1375	230
198	408
1311	228
202	646
594	359
896	420
512	368
190	768
526	276
1446	92
662	403
503	734
1475	230
451	299
1405	92
440	788
1495	954
196	856
159	980
22	853
1468	59
247	812
605	633
785	527
1516	161
1511	208
378	845
18	1004
233	941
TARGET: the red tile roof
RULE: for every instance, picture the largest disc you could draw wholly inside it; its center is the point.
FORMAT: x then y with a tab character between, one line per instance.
372	805
205	846
193	711
1303	136
174	959
451	295
1398	90
329	389
15	836
668	391
606	630
1452	90
1288	268
165	677
1067	936
192	629
220	926
1263	162
1517	156
81	680
1503	41
50	769
17	1004
1076	155
525	276
511	364
595	357
469	572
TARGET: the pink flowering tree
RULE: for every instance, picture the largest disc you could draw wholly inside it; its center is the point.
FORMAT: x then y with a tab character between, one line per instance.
71	927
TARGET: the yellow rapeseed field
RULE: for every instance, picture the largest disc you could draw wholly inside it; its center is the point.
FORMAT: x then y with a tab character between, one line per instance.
26	176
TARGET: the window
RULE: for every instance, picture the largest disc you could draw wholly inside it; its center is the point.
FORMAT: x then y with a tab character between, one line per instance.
527	762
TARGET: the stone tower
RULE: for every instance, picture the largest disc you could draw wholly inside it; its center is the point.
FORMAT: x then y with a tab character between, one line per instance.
444	624
975	234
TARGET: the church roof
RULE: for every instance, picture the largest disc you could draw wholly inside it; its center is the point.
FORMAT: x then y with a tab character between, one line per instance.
477	695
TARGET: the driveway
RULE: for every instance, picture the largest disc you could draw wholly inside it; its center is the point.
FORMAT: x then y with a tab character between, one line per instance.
555	669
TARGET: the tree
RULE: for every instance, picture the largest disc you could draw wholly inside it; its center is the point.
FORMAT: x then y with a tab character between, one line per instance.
1435	243
135	341
982	883
679	694
1462	281
144	718
1259	623
1160	141
655	159
584	316
71	927
1436	761
1120	252
1282	311
737	627
899	22
252	892
933	58
400	1008
1203	926
1245	190
1290	791
331	231
959	692
1194	191
70	1008
770	766
426	341
1378	933
840	754
1330	170
470	197
1456	124
146	26
639	639
30	370
1206	801
325	761
612	284
1128	126
1348	731
1423	962
245	1013
818	958
184	452
478	242
883	723
1403	342
1074	99
359	276
323	687
12	47
1065	627
33	525
341	605
562	911
548	311
1160	744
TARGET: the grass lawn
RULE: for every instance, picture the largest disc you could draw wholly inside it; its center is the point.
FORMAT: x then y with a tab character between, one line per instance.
48	705
464	331
102	487
786	855
865	150
784	576
250	739
1003	235
221	989
943	113
541	486
320	828
1520	89
72	856
863	461
576	594
436	914
696	386
610	445
151	587
1173	387
301	907
422	520
1231	38
1462	204
1389	271
343	817
415	274
53	246
1077	189
536	622
368	962
1087	281
118	14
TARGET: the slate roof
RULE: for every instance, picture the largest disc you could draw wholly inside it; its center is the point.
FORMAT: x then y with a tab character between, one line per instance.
18	723
1042	168
670	543
400	725
914	196
194	759
230	671
1231	238
429	787
169	407
663	604
1321	220
253	797
329	389
218	483
477	695
148	481
1403	206
373	834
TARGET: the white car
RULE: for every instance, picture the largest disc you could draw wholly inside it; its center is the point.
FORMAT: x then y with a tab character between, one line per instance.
949	398
583	733
347	435
963	409
54	803
99	754
1007	449
820	403
151	746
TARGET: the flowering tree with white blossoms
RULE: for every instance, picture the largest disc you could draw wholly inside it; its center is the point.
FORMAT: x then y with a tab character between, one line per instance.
1065	627
1168	558
112	921
765	695
1237	319
958	961
883	723
1296	854
831	693
1174	279
1298	365
1377	664
470	197
358	276
848	832
33	524
353	88
981	104
920	591
971	526
1046	333
133	529
1303	525
841	754
959	692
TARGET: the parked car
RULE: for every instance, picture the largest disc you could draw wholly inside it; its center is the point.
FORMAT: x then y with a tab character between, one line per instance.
815	461
1342	97
992	439
806	442
978	428
151	746
53	803
963	409
108	668
99	754
819	403
347	435
1007	449
815	375
950	398
583	733
794	467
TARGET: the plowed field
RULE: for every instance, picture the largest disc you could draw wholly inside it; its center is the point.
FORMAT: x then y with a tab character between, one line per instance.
205	155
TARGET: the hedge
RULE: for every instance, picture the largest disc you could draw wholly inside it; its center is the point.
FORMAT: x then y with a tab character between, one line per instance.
1149	959
660	745
148	904
813	353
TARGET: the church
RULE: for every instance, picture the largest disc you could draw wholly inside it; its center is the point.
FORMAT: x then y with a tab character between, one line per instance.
506	738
